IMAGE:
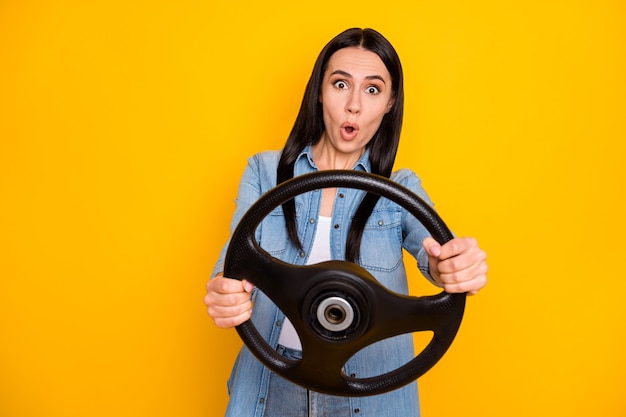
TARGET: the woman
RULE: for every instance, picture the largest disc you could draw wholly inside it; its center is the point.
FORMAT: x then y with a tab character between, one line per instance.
350	118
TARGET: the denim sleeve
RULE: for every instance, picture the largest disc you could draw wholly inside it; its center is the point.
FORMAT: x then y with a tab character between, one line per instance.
250	190
414	231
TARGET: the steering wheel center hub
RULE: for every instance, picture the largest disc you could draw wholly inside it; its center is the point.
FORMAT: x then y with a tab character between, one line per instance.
336	308
335	314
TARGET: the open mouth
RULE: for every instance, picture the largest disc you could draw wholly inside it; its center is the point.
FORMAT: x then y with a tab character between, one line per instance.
349	131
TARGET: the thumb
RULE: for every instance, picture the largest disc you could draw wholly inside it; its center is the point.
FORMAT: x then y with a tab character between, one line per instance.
432	247
247	285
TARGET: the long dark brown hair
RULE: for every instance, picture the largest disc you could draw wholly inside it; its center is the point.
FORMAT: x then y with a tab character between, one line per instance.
309	127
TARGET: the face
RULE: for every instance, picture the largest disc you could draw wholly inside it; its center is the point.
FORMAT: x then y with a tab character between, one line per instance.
356	94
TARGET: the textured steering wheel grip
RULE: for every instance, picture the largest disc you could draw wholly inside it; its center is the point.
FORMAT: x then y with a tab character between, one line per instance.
381	313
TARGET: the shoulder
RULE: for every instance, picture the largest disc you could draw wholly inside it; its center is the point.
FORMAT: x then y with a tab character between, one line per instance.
409	179
264	163
261	170
406	177
265	159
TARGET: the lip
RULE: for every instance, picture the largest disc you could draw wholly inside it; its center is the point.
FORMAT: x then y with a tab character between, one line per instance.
349	130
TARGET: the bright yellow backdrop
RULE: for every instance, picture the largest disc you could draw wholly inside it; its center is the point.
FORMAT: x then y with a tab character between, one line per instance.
124	128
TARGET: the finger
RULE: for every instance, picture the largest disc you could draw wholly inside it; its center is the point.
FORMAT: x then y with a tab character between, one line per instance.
461	262
452	248
462	268
432	247
232	321
227	305
230	310
469	280
247	285
224	285
458	246
231	299
470	287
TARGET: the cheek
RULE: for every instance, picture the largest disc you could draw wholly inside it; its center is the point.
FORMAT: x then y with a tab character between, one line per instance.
327	116
331	109
378	115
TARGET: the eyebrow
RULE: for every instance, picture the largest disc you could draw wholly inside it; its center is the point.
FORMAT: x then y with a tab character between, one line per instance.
347	74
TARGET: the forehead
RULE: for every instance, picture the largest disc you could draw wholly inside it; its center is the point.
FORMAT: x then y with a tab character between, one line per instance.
358	63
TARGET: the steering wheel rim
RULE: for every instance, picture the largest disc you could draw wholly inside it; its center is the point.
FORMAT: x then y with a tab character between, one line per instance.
325	349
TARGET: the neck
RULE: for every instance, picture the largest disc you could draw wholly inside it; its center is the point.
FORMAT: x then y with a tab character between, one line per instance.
327	156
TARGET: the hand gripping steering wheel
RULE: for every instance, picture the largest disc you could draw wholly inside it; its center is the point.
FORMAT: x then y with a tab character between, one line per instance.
337	307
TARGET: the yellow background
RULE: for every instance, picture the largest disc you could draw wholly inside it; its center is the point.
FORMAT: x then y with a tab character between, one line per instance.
124	128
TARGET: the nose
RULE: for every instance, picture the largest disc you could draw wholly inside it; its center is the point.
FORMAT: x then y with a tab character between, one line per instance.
353	106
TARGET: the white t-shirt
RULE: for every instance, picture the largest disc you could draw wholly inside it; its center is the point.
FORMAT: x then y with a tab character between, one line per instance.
319	253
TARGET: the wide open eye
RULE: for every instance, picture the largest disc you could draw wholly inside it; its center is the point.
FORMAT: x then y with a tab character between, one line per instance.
341	84
372	89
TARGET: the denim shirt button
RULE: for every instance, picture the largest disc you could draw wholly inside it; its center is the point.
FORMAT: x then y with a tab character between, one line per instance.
302	254
357	411
278	323
341	195
380	222
336	226
311	221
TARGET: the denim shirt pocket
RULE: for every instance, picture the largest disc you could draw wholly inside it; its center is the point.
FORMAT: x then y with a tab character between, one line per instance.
381	246
273	237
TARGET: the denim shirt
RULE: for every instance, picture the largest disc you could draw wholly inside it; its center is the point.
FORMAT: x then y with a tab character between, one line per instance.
389	229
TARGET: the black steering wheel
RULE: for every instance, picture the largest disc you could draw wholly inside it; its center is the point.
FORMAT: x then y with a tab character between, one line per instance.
337	307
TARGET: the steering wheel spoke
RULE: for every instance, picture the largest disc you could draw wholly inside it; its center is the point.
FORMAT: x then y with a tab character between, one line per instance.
401	314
